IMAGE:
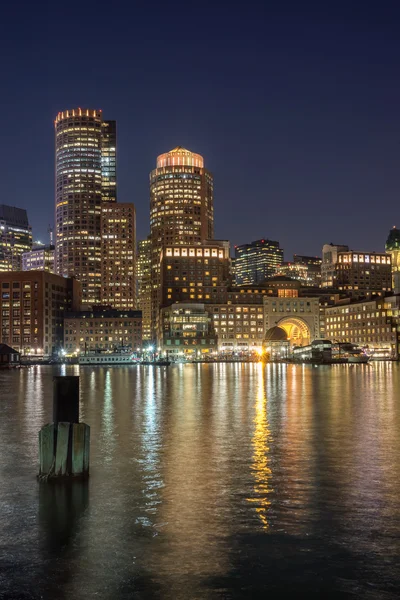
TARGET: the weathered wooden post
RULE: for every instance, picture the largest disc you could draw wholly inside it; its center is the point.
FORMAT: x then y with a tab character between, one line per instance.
64	444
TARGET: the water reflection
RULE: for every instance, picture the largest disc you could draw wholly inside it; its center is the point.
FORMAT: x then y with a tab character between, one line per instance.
261	439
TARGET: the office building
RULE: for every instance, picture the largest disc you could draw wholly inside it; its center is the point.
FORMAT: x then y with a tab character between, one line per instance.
187	329
40	258
195	273
372	323
143	280
239	327
256	262
118	251
181	209
15	237
102	328
393	249
363	273
85	177
32	307
329	262
313	264
109	161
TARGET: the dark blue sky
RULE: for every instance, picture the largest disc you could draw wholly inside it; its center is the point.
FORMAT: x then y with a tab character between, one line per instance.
295	107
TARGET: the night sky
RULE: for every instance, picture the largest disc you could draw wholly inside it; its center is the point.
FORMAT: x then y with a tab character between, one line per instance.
295	107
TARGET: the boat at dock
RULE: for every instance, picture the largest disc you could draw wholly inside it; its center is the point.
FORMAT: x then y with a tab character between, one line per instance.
108	358
326	352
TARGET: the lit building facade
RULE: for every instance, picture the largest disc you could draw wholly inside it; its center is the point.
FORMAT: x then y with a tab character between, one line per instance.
109	161
118	250
40	258
373	324
195	273
298	316
15	237
393	249
257	261
181	209
187	329
85	173
369	273
143	281
329	262
102	329
240	328
313	264
32	308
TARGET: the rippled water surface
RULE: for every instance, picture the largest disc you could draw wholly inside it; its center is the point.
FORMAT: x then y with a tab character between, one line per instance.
207	481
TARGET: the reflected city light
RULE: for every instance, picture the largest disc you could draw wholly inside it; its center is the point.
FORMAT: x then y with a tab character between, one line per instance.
260	466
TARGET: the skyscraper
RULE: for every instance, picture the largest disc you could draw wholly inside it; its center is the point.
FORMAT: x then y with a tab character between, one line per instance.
143	271
256	262
181	208
85	176
118	249
329	262
15	237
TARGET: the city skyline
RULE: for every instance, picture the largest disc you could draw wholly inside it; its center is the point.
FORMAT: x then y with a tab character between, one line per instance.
297	117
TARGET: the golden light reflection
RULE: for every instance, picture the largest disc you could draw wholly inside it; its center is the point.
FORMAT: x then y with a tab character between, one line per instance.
260	467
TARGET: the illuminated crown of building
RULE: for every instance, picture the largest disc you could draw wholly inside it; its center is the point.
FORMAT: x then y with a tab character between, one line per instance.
180	157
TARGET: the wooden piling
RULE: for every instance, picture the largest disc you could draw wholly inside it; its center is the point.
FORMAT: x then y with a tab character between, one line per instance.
64	444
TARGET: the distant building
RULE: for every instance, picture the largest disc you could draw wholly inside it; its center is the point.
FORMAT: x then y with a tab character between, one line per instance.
118	251
256	262
102	328
143	281
393	249
313	264
329	262
15	237
187	329
195	273
371	323
32	307
364	272
40	258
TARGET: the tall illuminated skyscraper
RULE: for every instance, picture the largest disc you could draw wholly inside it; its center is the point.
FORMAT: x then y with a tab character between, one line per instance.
393	248
143	271
85	176
181	208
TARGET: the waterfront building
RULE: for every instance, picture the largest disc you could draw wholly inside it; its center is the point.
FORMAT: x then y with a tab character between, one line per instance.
276	343
143	279
187	329
364	273
299	316
181	209
371	323
40	258
102	328
329	262
118	250
393	249
15	237
240	327
85	177
195	273
32	307
257	261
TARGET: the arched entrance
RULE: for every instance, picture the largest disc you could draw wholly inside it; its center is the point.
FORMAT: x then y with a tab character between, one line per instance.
297	330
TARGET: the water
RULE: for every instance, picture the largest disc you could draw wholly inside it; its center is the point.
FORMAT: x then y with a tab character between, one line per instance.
207	481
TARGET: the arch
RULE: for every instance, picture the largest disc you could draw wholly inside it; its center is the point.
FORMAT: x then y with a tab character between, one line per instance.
298	331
